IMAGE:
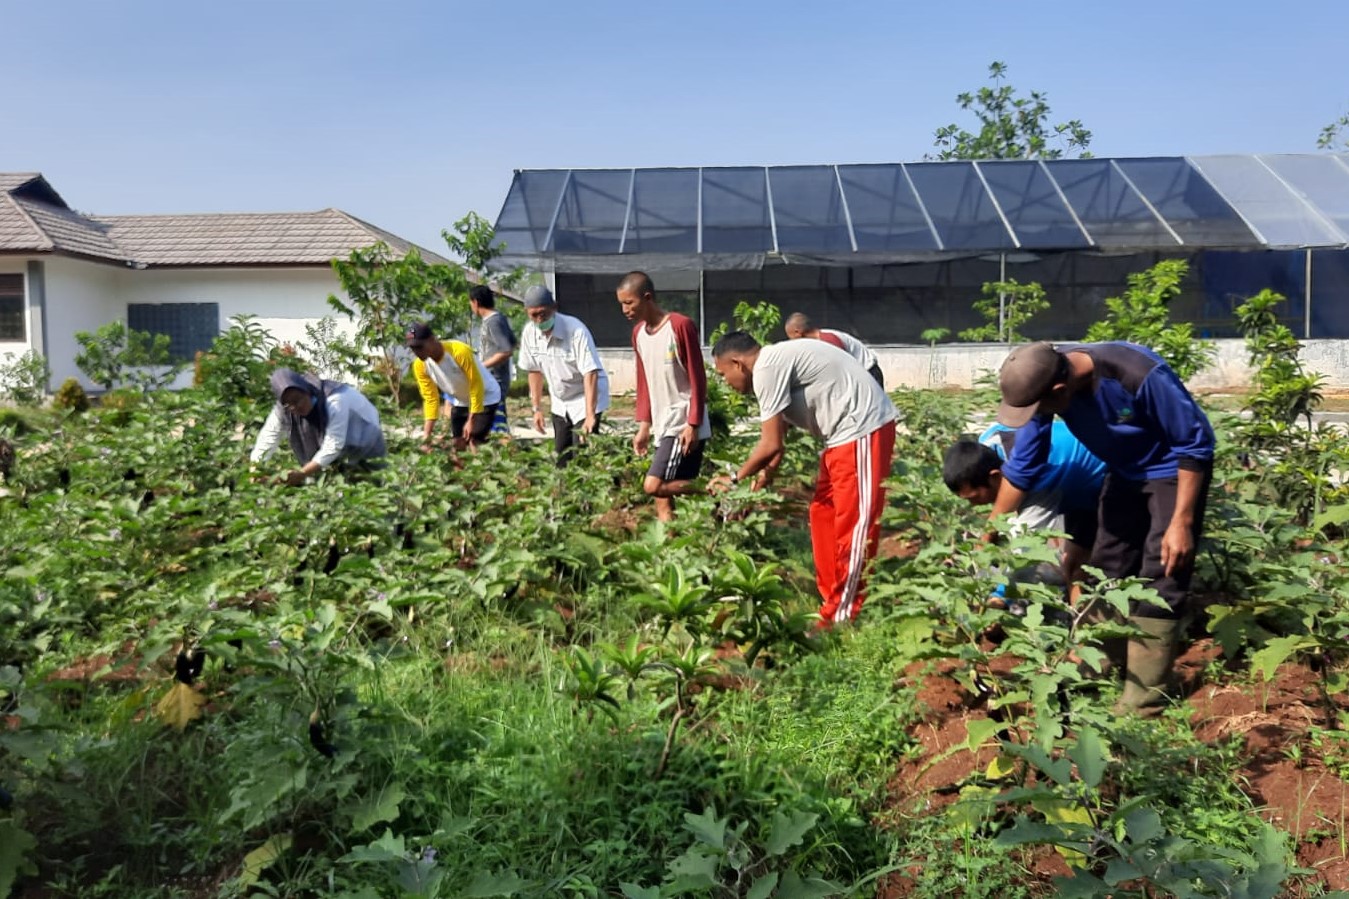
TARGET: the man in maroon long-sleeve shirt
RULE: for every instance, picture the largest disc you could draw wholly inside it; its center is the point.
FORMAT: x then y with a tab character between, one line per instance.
671	393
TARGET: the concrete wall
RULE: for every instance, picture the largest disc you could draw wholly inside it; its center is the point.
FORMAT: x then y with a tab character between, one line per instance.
81	296
962	365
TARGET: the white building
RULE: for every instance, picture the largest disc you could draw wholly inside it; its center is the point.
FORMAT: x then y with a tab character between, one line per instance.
180	275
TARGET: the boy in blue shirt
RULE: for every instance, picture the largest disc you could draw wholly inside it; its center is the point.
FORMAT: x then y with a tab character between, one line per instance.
1064	496
1126	405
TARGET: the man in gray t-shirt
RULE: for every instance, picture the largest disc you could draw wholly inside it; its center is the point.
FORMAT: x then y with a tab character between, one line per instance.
495	344
823	390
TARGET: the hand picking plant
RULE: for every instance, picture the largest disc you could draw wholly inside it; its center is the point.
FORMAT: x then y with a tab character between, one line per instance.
1141	315
1006	307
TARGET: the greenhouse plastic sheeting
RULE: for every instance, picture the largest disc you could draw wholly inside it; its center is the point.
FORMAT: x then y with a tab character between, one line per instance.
746	217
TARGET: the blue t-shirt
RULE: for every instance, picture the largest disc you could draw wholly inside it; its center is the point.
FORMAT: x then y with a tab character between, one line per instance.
1070	471
1138	419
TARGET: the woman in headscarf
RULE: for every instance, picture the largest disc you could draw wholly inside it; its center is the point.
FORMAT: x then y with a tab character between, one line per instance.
324	421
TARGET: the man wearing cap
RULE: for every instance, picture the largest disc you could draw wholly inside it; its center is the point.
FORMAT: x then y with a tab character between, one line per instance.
671	392
496	343
820	389
559	349
449	367
799	326
1126	405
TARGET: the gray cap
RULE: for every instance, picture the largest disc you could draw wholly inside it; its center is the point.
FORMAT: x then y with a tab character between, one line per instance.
537	296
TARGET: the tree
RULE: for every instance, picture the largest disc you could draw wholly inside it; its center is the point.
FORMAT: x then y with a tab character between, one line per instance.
115	354
1006	307
473	239
1335	136
1010	127
1142	315
386	294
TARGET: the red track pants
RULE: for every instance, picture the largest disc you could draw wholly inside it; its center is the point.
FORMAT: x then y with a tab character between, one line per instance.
845	519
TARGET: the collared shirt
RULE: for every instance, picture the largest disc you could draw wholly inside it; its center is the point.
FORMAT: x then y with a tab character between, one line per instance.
494	335
459	374
353	430
565	356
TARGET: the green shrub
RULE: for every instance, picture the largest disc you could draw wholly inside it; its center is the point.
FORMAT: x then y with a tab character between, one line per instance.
117	406
70	397
23	379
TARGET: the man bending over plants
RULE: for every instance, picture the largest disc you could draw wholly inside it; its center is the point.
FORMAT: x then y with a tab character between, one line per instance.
1130	409
449	367
820	389
671	393
1064	497
325	422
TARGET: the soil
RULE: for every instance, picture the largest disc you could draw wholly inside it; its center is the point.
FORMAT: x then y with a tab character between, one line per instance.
1283	771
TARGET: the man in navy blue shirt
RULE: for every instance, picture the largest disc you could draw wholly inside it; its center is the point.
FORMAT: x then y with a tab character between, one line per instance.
1126	406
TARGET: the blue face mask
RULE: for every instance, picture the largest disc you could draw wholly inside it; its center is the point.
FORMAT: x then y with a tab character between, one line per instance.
547	324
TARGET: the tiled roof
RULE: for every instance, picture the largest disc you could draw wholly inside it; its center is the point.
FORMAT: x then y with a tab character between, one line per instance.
71	232
33	218
294	238
17	230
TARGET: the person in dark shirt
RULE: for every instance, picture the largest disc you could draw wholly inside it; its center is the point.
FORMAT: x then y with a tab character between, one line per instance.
1126	405
496	342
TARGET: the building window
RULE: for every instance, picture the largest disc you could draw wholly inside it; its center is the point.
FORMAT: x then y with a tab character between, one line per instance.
13	317
190	326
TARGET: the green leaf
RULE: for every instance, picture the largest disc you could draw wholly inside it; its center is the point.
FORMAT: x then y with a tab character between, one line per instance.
796	887
633	891
1028	831
707	827
788	832
979	731
763	887
15	844
259	859
377	809
1142	824
388	848
1267	660
1119	870
486	883
1090	757
695	869
1080	886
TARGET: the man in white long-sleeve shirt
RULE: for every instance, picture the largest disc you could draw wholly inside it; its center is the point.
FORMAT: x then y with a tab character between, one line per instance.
323	421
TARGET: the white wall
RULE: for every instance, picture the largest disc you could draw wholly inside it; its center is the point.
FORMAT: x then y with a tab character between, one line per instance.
962	365
81	296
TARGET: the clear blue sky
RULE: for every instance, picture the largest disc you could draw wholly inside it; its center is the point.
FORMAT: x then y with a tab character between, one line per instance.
409	114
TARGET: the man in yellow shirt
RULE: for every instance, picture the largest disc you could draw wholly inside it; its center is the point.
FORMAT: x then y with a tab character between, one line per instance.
449	367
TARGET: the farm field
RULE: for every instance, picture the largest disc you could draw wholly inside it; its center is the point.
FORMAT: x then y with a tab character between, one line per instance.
477	675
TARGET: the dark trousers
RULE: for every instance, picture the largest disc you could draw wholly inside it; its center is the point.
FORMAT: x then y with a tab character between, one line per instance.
567	436
1134	516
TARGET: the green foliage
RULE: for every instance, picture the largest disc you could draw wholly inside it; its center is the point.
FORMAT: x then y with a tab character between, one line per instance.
1006	307
760	320
1009	126
473	239
1142	315
330	352
70	396
114	355
934	336
23	379
1335	135
1293	461
237	366
385	294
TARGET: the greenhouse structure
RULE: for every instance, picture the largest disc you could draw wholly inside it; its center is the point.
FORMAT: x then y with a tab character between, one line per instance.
889	251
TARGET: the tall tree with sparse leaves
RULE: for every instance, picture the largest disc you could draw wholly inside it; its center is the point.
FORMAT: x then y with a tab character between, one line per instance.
386	293
1009	126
